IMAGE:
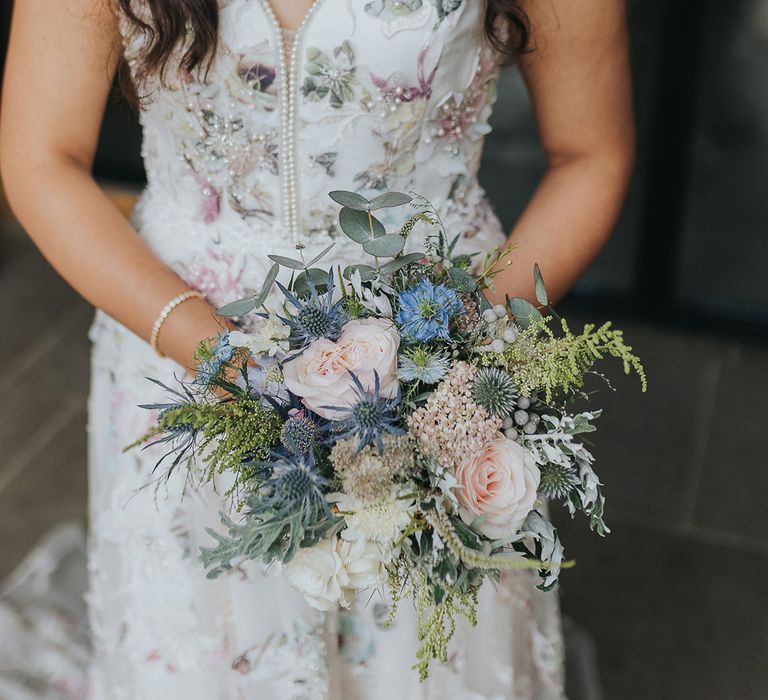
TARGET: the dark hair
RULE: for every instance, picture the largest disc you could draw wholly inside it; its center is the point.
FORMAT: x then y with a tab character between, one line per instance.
196	23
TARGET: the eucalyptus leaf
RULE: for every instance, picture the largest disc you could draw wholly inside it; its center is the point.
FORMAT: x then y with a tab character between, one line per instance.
401	262
390	199
319	279
321	255
386	246
269	280
241	307
462	280
541	290
357	225
290	263
524	312
367	273
353	200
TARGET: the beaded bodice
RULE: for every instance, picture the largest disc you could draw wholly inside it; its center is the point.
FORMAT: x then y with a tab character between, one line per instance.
371	96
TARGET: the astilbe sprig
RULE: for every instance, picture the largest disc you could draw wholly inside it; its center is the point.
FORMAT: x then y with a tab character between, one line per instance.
435	621
222	435
542	362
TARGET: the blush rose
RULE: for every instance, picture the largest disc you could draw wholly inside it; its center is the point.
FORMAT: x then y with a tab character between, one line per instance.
321	374
499	484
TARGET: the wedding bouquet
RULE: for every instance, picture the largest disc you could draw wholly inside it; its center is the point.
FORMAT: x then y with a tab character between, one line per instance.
385	426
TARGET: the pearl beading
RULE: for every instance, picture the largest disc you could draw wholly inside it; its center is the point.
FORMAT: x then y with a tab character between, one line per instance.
289	67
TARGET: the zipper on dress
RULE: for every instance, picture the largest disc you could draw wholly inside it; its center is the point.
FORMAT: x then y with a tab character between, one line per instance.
290	68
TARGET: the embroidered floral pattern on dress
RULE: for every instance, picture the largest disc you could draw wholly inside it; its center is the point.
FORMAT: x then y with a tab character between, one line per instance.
333	78
378	96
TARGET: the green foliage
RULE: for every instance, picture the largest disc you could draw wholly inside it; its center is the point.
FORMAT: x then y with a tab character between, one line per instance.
227	433
436	618
541	362
266	536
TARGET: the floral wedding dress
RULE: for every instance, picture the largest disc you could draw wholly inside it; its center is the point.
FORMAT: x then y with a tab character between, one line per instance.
367	95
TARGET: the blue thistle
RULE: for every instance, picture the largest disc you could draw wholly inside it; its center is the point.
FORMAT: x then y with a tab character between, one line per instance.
315	317
494	390
425	311
370	417
286	511
298	434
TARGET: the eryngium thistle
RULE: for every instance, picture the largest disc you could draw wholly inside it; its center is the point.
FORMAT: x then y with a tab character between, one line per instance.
494	390
298	434
369	418
317	316
557	480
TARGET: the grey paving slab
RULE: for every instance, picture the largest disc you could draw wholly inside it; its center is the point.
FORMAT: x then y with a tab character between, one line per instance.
733	494
32	296
51	489
31	398
672	619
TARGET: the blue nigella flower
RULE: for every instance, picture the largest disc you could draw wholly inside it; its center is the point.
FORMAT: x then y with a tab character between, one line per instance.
425	310
420	364
222	354
316	316
367	419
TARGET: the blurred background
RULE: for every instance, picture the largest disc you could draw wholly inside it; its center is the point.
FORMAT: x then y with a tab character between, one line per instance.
674	604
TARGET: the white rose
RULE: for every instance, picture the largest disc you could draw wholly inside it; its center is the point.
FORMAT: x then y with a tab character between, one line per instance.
332	572
320	375
364	564
318	574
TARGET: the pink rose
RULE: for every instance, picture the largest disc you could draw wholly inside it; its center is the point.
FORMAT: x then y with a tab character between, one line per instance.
320	375
498	483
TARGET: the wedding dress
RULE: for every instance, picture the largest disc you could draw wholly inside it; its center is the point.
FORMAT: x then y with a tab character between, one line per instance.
372	96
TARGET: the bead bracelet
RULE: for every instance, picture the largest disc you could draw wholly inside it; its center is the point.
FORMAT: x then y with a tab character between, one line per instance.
165	313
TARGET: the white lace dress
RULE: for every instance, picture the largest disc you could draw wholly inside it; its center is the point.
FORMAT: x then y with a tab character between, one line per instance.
372	95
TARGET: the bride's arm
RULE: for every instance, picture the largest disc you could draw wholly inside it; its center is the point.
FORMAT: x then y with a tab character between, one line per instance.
579	80
61	61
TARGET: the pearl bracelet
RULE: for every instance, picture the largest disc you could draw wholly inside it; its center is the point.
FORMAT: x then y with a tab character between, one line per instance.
165	313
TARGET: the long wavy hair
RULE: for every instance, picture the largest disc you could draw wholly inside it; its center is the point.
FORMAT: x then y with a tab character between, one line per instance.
195	24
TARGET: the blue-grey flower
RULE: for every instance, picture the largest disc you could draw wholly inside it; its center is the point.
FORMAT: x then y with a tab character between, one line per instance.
425	311
370	417
317	316
421	364
222	353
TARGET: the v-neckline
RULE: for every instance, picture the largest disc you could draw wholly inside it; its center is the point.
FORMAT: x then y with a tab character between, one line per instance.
304	20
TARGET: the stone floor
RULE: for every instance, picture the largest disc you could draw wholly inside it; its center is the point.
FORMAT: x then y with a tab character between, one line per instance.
676	599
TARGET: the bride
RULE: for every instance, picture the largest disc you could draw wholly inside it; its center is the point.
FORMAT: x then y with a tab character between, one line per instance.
252	111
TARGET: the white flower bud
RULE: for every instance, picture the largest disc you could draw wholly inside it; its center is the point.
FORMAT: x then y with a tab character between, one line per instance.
521	417
510	335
